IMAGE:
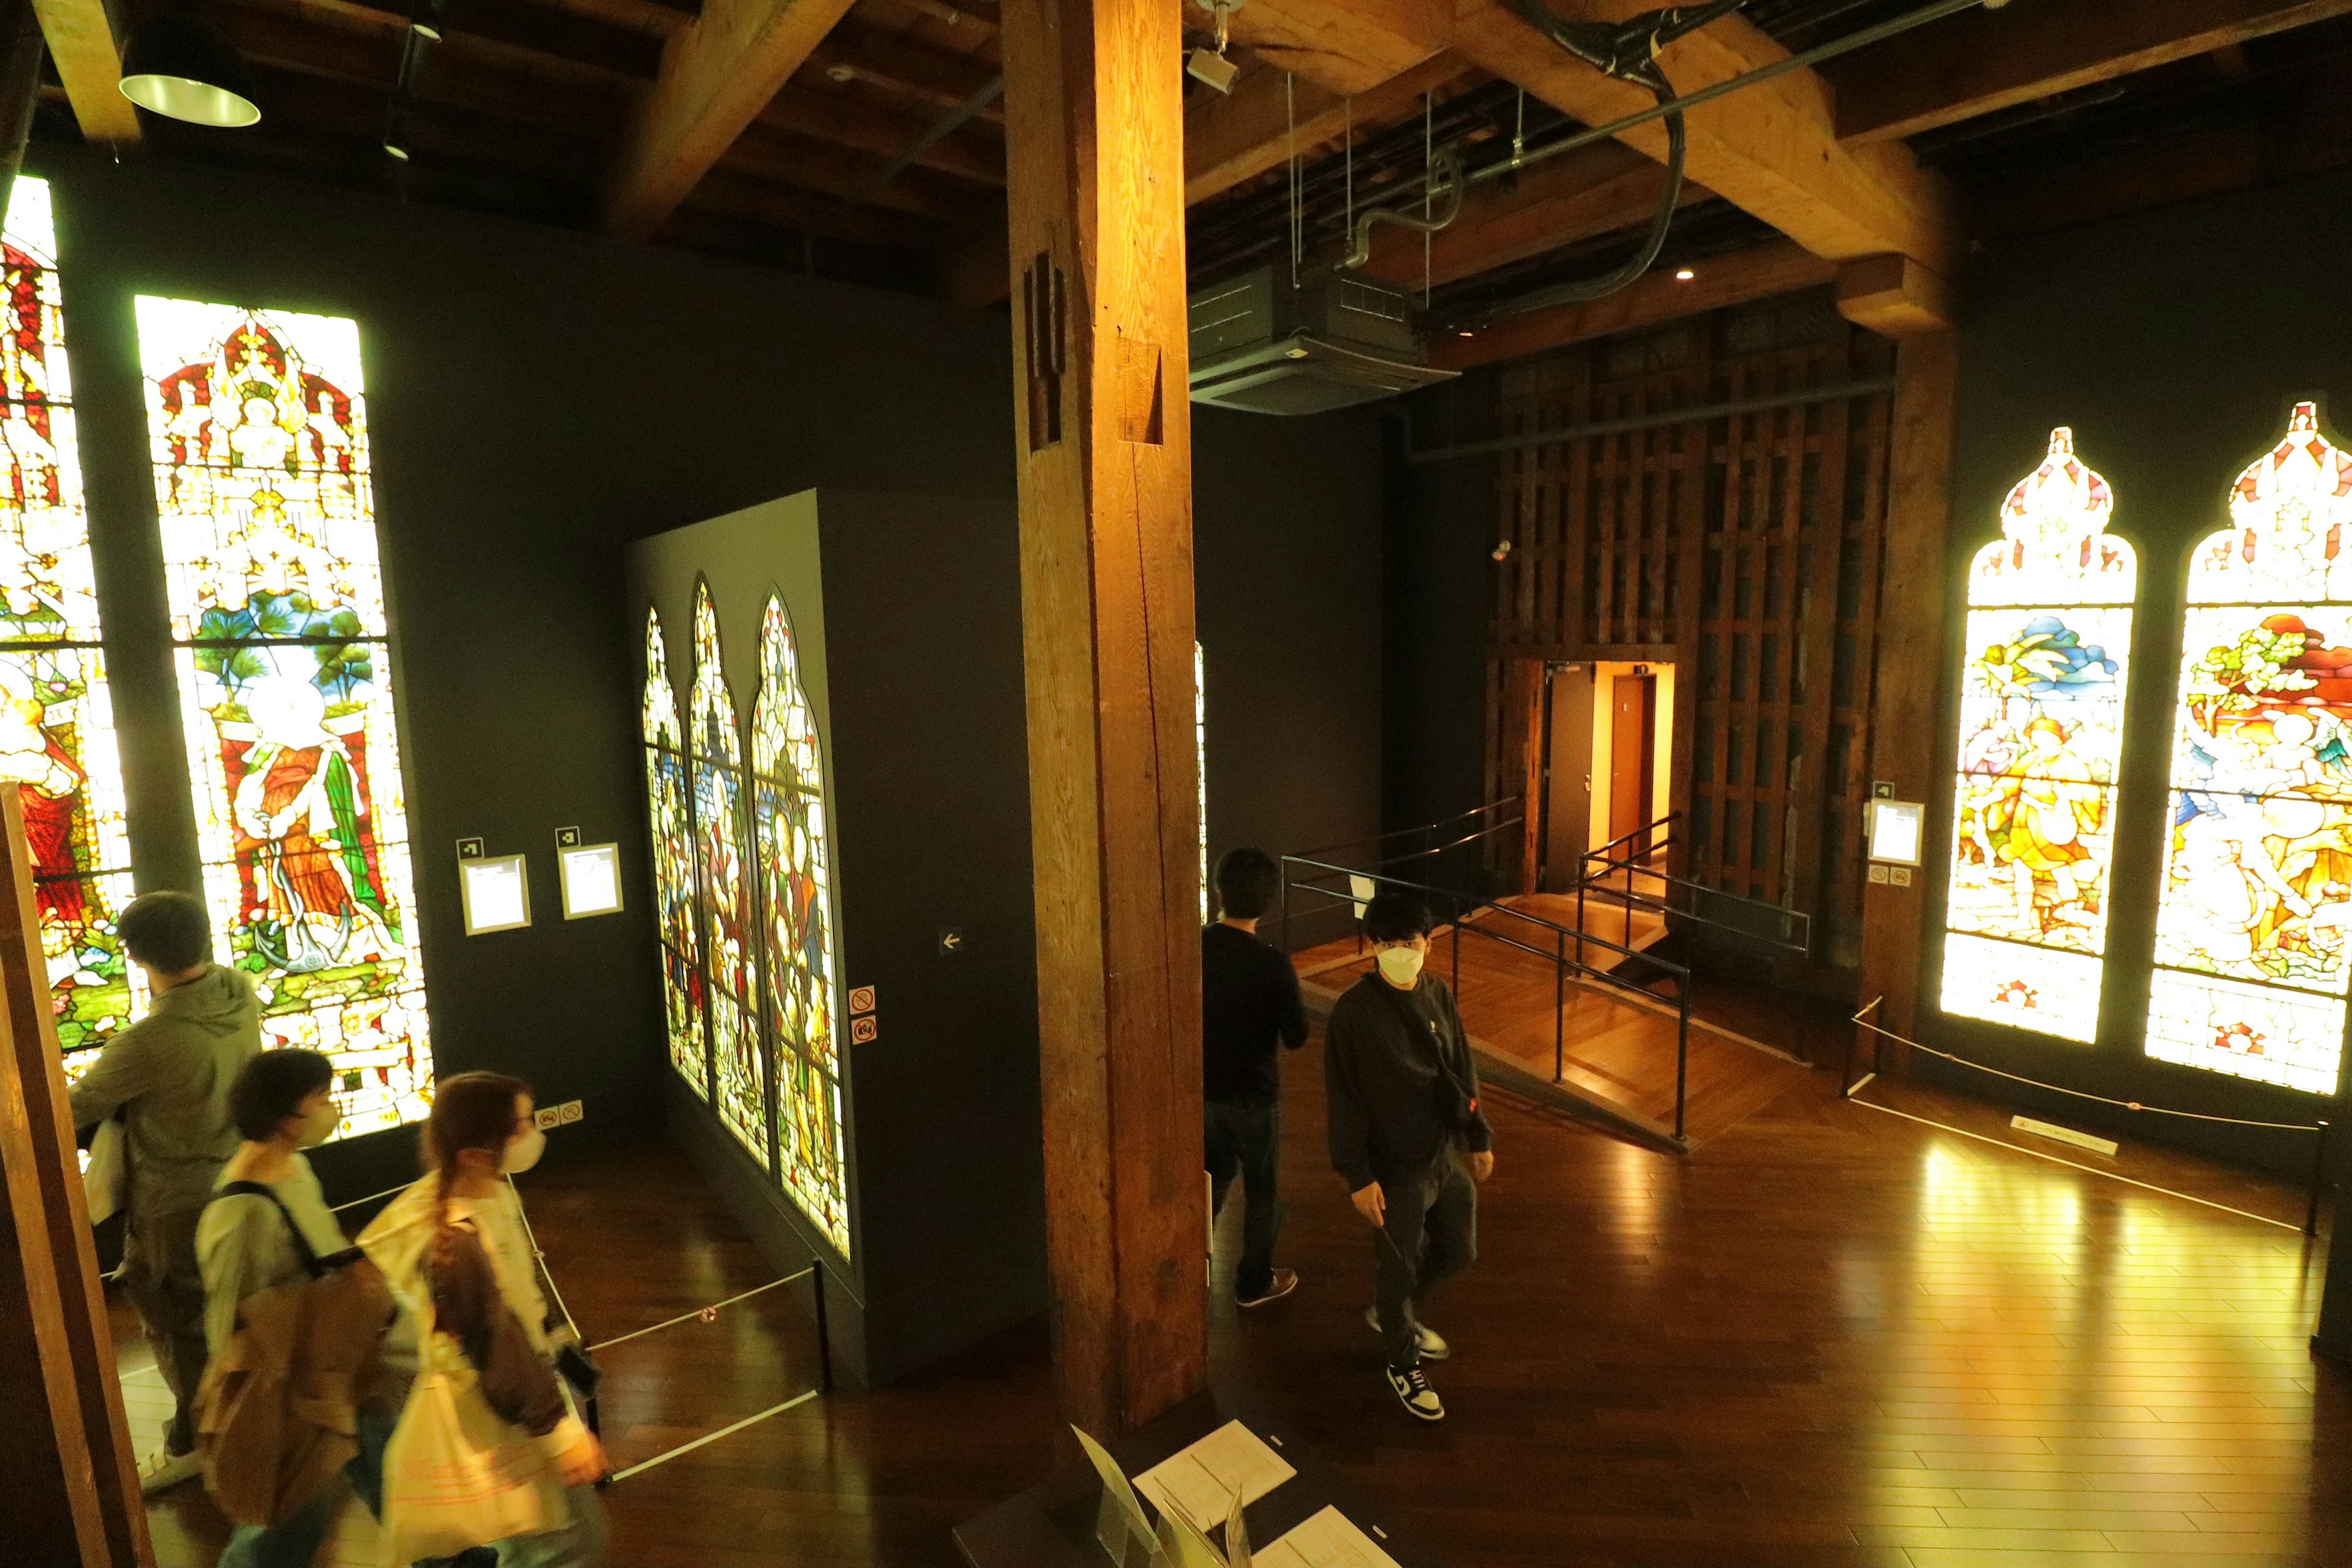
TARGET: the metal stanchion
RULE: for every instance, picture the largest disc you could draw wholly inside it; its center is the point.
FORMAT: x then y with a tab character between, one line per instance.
1560	1007
2318	1180
823	1338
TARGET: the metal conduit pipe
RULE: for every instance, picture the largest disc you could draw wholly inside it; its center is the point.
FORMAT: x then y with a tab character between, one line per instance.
1449	208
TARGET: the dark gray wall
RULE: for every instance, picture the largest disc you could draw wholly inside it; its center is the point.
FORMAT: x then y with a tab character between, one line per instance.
2173	343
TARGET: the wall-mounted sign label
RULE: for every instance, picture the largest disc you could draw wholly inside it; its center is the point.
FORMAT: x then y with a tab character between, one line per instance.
590	874
861	1030
497	892
861	999
469	849
1896	828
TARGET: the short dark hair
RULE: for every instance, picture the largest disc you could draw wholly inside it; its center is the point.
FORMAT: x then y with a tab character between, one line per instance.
272	1087
1395	915
169	930
1245	880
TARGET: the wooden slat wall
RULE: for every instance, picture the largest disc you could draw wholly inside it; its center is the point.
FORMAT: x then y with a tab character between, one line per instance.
1745	549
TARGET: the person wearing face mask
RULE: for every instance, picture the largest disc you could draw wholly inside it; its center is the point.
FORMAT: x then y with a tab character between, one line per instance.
1407	1136
268	1225
458	1258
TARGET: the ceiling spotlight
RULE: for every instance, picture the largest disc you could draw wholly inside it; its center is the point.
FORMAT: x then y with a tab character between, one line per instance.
838	72
1209	65
425	30
181	68
1684	274
1468	333
396	149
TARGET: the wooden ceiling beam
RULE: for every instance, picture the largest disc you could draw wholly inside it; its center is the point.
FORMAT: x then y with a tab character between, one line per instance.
838	118
82	39
1779	267
903	63
602	56
817	167
650	16
745	195
1345	45
1230	138
1894	296
1979	62
715	77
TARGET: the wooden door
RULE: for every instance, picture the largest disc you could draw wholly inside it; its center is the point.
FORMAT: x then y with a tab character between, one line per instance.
1568	791
1633	726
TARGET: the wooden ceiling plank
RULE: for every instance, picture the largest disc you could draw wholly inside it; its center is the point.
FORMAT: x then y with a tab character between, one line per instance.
1979	62
1344	46
716	76
743	195
81	36
836	117
1779	267
942	76
1230	138
623	58
650	16
815	166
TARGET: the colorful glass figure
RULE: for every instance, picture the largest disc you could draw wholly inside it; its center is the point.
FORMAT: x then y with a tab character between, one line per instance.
2251	950
672	825
723	853
257	427
2049	638
56	726
796	890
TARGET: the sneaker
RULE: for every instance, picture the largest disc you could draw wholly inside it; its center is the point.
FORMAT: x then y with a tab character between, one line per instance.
1426	1340
164	1469
1412	1392
1283	1282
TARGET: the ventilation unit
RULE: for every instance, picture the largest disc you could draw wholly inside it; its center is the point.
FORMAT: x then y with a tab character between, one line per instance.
1265	345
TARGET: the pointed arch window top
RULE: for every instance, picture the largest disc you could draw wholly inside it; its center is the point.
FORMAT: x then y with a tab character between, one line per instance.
716	737
661	703
2053	547
2290	525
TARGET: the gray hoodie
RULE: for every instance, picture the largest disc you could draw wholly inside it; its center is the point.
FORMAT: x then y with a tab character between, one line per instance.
171	1069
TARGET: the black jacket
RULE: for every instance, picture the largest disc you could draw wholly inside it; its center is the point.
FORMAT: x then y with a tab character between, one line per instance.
1249	1003
1400	1080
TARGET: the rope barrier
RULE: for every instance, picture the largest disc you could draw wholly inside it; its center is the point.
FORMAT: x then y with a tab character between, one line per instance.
705	1313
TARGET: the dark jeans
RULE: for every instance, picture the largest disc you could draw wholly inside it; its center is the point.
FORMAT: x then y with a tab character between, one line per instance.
1431	1235
1246	1137
166	1288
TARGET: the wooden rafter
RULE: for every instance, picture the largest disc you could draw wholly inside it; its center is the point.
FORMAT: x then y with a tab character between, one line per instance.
841	119
716	76
1982	61
82	39
1229	139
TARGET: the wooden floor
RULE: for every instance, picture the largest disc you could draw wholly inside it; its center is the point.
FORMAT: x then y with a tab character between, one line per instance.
1615	1050
1830	1337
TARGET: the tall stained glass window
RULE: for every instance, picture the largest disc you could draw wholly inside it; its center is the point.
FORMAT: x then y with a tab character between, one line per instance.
57	727
722	852
257	427
672	825
797	950
2049	633
2250	941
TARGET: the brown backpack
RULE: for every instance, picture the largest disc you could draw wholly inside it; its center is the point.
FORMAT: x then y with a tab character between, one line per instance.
277	1416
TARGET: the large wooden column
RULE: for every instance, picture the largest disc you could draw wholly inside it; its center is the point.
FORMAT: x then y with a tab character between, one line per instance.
68	1482
1910	666
1095	146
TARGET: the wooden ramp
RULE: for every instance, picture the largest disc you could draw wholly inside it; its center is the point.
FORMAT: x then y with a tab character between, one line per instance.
1616	1061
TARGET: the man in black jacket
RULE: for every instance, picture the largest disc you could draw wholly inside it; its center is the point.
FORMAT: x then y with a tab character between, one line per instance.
1249	1003
1407	1136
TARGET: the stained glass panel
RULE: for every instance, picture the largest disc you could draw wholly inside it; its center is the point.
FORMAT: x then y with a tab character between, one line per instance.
672	825
2257	885
257	429
57	725
722	845
795	857
2046	661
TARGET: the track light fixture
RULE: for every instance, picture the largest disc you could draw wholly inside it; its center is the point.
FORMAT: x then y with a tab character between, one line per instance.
1210	66
180	66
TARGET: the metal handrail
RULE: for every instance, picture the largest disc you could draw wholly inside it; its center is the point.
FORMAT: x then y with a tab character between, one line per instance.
1589	879
1425	827
1467	906
1666	822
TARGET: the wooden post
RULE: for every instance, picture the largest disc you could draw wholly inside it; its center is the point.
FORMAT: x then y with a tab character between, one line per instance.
1095	136
1909	672
67	1468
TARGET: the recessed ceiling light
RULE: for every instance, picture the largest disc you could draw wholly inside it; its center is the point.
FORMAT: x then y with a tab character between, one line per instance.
1469	334
397	151
1684	274
841	73
425	30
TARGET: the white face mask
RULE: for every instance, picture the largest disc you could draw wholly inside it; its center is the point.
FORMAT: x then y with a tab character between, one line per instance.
316	1128
523	1153
1400	966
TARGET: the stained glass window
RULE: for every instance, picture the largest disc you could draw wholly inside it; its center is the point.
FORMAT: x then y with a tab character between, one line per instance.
2049	635
796	857
257	429
56	726
723	851
672	825
2257	894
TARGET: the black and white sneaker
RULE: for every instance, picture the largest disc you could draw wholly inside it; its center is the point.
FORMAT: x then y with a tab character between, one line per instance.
1412	1392
1283	1282
1427	1341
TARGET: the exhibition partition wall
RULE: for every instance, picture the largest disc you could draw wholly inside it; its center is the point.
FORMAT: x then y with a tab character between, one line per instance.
842	885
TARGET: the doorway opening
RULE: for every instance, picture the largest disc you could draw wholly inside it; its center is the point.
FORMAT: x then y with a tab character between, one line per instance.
1608	733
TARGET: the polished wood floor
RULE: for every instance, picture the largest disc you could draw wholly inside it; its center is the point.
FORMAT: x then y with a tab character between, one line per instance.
1830	1337
1610	1047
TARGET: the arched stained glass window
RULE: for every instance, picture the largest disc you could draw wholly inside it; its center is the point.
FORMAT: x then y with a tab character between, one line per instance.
257	427
2251	944
722	855
2049	635
796	890
56	726
671	822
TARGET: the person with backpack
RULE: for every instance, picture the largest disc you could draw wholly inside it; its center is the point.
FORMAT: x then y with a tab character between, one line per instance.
487	1449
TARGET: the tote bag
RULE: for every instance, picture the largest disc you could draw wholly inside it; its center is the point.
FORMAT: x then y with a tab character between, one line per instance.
108	1175
454	1475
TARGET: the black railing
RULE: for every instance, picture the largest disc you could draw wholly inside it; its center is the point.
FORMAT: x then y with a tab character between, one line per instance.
1622	860
1434	840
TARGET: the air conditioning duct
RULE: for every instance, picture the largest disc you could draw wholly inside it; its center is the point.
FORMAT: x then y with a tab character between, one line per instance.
1266	345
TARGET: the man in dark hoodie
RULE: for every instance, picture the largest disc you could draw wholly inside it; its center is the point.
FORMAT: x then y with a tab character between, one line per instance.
1407	1136
169	1075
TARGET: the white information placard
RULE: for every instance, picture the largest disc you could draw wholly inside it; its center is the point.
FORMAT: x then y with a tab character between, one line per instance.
1896	828
497	892
592	879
